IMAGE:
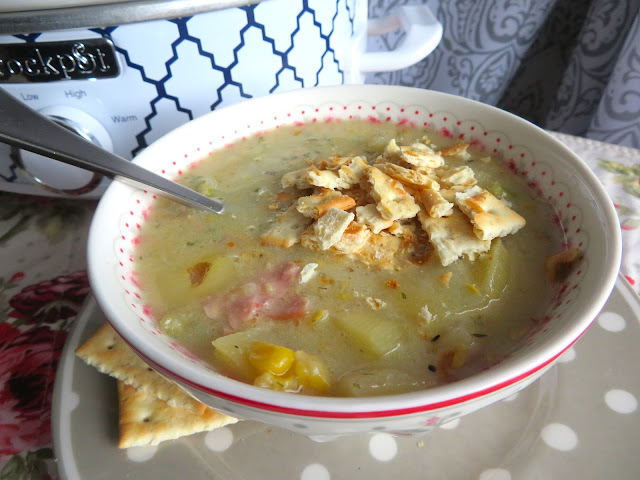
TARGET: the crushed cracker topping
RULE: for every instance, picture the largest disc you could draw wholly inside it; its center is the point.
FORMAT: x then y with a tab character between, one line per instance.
392	284
371	210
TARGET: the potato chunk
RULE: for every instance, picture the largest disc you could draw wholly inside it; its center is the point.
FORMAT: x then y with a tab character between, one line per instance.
492	269
232	351
373	333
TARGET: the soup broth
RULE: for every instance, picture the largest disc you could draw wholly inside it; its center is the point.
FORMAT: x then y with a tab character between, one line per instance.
317	319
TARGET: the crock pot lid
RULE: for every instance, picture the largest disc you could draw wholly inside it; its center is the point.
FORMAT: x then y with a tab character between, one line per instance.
20	17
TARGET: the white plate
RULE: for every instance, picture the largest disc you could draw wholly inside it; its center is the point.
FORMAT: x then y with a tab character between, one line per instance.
579	421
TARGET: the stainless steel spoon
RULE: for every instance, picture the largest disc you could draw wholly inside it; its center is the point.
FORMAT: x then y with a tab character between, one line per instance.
25	128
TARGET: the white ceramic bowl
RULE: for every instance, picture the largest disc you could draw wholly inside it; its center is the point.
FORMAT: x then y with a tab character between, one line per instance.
558	175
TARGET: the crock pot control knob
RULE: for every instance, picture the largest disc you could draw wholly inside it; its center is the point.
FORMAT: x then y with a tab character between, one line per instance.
58	177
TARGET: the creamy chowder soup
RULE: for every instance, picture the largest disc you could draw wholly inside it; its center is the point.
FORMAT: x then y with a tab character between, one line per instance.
353	259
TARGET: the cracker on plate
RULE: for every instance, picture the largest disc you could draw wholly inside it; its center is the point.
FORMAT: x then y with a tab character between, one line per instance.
107	352
147	420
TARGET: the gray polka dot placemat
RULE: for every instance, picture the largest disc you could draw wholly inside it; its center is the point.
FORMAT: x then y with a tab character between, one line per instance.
579	421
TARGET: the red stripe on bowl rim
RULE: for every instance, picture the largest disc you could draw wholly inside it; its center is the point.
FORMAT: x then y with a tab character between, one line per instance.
357	415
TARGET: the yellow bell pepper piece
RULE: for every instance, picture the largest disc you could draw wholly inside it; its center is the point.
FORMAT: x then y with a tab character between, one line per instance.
279	383
311	372
267	357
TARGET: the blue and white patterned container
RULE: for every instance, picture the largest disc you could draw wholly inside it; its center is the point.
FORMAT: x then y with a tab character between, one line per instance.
174	70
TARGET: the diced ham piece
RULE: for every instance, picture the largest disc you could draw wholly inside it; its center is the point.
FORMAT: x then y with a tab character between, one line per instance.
288	308
270	295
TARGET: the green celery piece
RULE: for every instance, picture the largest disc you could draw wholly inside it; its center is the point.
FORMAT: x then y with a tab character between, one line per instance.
205	186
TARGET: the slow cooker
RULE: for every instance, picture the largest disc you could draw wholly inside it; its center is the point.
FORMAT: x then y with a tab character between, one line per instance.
124	74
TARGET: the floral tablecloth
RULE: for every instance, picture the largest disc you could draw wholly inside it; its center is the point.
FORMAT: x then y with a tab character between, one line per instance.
43	284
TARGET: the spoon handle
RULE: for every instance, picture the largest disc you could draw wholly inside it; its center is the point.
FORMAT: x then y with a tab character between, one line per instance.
25	128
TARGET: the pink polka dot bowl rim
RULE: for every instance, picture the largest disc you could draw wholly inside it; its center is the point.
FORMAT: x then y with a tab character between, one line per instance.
558	176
